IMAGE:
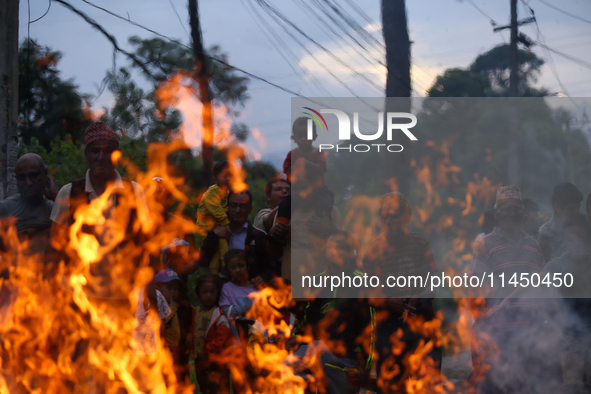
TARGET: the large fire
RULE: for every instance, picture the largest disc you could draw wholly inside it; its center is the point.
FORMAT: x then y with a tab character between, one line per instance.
54	337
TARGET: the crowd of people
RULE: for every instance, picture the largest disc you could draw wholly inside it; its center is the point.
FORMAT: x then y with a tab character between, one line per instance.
387	343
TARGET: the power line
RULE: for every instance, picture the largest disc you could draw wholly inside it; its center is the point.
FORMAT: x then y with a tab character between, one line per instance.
327	26
357	9
42	16
349	21
252	10
178	16
541	38
110	37
565	12
273	11
568	37
580	62
249	74
327	69
492	22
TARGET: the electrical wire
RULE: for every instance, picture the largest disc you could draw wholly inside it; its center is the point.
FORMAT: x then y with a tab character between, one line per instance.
273	12
542	43
42	16
178	16
281	47
492	21
565	12
220	61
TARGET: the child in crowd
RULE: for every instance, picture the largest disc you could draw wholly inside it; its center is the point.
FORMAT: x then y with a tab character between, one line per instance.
176	256
210	335
306	151
168	284
213	209
144	333
235	293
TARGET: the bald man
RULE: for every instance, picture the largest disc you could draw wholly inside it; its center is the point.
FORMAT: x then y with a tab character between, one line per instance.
29	207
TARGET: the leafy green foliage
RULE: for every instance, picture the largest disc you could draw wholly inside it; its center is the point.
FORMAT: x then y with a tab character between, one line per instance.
136	111
488	76
64	160
456	82
164	58
48	105
54	119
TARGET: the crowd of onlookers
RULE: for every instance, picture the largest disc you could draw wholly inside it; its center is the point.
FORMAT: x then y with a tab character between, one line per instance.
206	280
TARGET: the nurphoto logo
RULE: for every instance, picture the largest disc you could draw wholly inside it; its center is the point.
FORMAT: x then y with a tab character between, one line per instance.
344	129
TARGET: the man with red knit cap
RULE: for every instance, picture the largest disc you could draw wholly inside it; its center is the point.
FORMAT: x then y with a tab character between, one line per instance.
125	210
98	234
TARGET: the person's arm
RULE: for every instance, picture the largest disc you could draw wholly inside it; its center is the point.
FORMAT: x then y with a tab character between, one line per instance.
3	223
212	201
269	218
287	163
191	336
163	311
278	236
479	267
544	241
209	247
58	234
51	190
267	265
225	299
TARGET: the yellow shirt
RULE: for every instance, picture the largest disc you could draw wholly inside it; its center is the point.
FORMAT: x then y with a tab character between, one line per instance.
173	329
213	208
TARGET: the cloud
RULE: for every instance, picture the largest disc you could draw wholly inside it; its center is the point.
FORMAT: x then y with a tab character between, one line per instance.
370	64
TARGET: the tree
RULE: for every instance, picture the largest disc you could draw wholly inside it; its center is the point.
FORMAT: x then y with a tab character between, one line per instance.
48	105
495	65
137	111
488	76
164	58
456	82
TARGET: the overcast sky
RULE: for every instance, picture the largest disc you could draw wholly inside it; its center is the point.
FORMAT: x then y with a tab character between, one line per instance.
445	34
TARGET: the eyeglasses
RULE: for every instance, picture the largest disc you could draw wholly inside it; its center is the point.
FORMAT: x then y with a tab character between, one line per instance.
33	176
511	210
235	207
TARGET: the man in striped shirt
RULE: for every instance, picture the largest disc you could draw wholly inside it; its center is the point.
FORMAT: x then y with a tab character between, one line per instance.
510	251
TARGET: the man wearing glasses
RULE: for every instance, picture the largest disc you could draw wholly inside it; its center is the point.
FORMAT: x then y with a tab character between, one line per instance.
244	237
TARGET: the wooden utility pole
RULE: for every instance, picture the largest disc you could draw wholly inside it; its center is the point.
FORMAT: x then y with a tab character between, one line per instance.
397	42
203	79
396	166
513	55
8	96
513	167
513	52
